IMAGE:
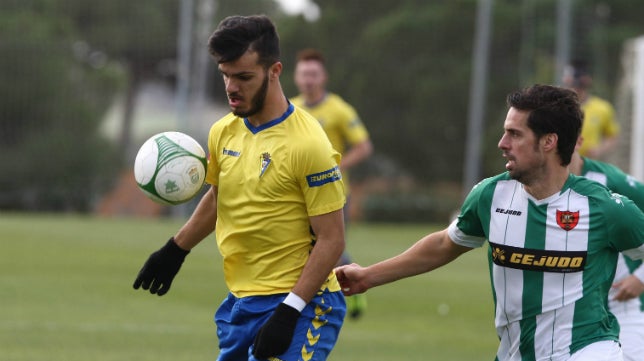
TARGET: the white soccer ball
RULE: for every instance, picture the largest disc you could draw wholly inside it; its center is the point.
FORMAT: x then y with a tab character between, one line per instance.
170	168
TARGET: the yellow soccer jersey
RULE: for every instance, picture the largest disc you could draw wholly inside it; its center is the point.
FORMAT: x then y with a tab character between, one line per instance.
599	122
270	179
339	121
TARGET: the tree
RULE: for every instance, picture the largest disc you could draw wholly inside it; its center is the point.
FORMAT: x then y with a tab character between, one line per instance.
51	96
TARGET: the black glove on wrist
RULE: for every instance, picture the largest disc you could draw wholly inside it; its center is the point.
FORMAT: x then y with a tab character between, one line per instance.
159	270
276	335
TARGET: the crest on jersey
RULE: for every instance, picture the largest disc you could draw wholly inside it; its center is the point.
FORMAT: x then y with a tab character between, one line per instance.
264	162
567	219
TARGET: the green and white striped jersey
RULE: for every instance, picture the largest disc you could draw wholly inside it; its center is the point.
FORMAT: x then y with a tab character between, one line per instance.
552	261
619	182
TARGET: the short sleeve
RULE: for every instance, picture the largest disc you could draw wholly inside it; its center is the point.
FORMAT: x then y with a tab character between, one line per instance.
317	169
626	226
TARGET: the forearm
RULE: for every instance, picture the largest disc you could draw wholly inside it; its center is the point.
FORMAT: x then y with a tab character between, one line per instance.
356	154
322	259
329	245
429	253
201	223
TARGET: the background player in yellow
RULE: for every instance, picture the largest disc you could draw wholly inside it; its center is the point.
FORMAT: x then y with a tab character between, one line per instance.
341	123
276	203
600	129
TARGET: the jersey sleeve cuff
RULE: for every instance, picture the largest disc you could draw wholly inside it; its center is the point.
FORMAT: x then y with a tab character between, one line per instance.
462	239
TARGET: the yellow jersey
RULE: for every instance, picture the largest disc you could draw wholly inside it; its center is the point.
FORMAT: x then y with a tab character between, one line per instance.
270	180
339	121
599	122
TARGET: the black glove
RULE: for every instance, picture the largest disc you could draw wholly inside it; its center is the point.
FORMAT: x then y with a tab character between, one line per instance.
159	270
276	335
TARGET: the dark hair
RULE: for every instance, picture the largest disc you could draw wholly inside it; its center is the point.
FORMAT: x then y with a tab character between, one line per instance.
310	54
552	110
237	34
580	74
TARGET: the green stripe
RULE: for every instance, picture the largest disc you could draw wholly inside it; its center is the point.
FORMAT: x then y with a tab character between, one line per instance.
526	347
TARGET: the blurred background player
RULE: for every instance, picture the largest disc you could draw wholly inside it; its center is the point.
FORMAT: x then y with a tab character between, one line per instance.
600	129
340	121
626	297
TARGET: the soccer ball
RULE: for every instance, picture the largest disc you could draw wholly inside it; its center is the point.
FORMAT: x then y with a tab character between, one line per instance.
170	168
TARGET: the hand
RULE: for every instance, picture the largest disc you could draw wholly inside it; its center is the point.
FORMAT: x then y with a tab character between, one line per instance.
351	279
629	287
159	270
275	336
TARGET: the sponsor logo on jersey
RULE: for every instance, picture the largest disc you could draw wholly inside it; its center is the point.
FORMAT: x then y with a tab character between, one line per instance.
231	152
538	259
322	178
264	162
617	198
511	212
567	219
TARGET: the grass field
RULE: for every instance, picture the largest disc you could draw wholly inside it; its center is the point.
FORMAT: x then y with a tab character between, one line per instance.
66	295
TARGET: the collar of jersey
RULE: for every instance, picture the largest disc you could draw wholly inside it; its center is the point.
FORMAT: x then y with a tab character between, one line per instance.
271	123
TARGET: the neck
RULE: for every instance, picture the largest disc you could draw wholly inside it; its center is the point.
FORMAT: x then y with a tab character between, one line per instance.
576	164
583	95
275	105
550	182
314	97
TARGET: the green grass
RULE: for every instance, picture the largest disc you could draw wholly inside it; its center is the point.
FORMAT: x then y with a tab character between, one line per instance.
66	294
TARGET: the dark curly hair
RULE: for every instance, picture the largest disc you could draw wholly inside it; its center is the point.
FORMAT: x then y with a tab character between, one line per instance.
237	34
552	110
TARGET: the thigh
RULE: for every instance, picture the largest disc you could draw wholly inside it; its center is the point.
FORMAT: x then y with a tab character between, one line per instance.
238	320
599	351
631	336
317	328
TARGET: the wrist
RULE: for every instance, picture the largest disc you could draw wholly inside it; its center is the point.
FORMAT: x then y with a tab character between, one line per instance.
295	301
174	248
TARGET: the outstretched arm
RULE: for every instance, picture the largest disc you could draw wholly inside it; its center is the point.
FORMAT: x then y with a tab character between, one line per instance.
429	253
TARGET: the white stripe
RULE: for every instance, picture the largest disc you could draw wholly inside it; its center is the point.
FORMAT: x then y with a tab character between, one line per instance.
561	290
549	342
509	345
508	195
622	309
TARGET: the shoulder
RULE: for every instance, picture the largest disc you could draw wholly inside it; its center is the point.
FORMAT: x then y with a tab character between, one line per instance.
603	167
225	121
599	104
297	100
599	196
588	187
226	126
338	103
487	186
304	129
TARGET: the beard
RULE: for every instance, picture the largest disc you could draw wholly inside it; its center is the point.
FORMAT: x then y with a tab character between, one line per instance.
257	102
521	176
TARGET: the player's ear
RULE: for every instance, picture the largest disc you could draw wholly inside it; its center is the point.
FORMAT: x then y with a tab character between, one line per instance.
275	70
550	141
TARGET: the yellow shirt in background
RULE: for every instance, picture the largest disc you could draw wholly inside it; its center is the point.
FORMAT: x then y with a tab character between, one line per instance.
599	123
339	121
